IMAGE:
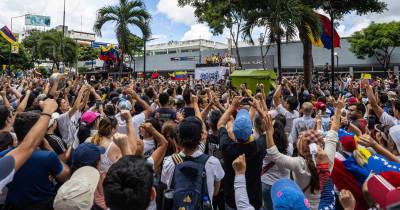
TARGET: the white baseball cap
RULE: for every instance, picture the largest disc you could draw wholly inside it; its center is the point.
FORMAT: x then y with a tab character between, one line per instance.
78	192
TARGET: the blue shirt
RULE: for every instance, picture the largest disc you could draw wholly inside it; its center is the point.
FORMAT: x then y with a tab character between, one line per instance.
32	182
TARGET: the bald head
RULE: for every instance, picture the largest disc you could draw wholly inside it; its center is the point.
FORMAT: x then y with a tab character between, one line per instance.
307	108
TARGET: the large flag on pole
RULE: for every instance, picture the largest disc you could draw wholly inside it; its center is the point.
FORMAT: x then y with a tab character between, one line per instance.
325	40
8	35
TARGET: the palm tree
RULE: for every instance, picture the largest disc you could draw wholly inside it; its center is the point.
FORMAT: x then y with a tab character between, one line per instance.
282	19
126	13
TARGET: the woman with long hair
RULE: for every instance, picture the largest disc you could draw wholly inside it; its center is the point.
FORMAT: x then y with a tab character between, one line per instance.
105	137
304	166
169	132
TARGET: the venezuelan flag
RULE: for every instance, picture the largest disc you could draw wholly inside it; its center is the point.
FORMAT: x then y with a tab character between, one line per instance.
180	75
325	40
326	33
7	34
316	41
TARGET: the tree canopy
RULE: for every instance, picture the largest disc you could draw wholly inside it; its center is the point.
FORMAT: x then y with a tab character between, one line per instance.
126	13
87	53
57	48
31	43
19	61
377	40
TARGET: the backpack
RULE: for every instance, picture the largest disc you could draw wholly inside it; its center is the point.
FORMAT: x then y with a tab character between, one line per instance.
189	184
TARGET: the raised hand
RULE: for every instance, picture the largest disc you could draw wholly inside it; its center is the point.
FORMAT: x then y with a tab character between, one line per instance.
269	127
367	141
236	102
126	115
347	200
195	99
49	106
340	103
146	126
239	165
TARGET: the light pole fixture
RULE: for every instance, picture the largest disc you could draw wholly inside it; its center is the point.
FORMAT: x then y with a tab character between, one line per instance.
328	4
337	59
63	26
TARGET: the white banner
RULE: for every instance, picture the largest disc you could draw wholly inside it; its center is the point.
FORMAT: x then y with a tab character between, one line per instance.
210	74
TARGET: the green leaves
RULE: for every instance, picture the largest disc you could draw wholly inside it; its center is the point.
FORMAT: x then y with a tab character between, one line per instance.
57	48
19	61
377	40
127	13
87	53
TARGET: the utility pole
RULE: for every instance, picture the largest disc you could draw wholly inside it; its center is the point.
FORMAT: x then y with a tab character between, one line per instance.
332	53
63	28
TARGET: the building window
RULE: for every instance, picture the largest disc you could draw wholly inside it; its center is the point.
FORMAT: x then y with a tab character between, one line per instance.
171	51
161	53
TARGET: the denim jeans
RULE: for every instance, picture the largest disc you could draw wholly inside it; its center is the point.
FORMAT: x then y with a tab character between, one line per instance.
266	194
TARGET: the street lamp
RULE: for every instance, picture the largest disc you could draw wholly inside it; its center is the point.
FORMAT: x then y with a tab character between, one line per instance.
328	4
63	29
337	60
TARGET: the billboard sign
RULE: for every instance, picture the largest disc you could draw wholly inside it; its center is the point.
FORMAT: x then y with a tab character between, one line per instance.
37	20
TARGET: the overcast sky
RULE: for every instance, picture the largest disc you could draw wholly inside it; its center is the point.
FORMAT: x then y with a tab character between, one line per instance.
169	22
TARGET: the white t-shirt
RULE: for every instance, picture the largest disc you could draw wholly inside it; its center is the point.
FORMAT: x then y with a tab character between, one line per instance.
388	120
149	147
137	120
68	127
214	171
290	116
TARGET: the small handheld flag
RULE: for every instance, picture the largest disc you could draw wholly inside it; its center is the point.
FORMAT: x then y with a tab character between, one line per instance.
7	34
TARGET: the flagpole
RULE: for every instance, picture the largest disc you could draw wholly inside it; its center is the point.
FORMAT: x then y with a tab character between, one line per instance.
332	53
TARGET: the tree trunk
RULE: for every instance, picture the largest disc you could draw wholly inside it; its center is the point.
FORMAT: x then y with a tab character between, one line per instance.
238	57
278	45
307	60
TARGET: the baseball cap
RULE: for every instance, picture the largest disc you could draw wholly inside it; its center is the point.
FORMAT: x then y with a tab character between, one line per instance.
53	118
352	101
286	194
90	117
242	126
124	105
320	105
78	192
190	128
348	140
86	154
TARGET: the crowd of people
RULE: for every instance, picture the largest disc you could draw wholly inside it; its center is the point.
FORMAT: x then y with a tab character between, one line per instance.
215	59
71	142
